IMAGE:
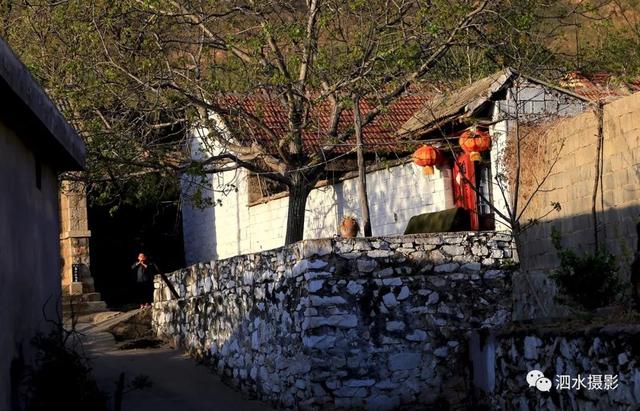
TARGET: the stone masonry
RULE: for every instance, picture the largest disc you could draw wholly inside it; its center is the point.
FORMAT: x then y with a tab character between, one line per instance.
74	237
79	294
343	323
591	368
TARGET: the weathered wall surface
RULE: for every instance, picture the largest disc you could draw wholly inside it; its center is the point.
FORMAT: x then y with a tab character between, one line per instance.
29	256
572	185
233	227
601	351
74	238
332	323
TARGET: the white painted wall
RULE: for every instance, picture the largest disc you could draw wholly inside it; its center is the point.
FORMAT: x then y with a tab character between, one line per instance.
395	195
499	188
29	253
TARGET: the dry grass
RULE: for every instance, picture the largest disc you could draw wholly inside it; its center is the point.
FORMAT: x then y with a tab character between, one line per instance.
537	154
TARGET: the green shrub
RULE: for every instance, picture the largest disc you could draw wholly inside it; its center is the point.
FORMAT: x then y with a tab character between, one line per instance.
586	280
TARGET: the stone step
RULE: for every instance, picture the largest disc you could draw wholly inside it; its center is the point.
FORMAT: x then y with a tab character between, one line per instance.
83	307
85	297
88	285
93	296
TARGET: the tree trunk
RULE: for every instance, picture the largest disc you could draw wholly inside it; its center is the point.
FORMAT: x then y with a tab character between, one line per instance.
516	234
298	193
362	174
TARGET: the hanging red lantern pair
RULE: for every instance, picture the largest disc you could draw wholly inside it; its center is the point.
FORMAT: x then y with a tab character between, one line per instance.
472	142
426	157
475	141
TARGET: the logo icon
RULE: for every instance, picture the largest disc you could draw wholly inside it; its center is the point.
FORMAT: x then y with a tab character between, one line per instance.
535	378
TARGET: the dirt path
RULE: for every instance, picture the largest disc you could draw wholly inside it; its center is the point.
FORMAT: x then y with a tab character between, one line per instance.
178	382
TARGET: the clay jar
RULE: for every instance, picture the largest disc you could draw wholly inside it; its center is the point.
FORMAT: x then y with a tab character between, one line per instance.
349	227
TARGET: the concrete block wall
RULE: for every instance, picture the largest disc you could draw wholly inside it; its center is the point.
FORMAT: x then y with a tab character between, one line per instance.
621	175
572	184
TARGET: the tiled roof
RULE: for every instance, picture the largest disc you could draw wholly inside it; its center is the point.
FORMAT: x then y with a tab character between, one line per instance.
455	104
599	85
378	136
406	116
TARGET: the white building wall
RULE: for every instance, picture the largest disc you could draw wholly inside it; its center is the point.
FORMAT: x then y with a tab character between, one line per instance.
200	227
499	188
233	227
395	194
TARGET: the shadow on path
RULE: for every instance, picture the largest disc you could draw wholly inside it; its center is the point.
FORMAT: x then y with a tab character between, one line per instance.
178	382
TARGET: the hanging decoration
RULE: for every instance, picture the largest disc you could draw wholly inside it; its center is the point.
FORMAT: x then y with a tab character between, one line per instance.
426	156
474	141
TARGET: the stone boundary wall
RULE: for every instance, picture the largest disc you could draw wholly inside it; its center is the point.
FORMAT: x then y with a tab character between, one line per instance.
342	323
609	350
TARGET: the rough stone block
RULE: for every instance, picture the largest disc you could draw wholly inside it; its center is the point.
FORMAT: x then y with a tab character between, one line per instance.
359	383
315	285
417	335
314	247
395	326
366	266
392	281
389	300
404	361
404	293
319	341
453	250
317	301
446	268
354	288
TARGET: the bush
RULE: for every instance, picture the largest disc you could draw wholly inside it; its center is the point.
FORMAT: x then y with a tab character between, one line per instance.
60	379
587	280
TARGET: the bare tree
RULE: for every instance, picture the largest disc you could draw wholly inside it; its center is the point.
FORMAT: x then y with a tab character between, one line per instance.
166	66
136	76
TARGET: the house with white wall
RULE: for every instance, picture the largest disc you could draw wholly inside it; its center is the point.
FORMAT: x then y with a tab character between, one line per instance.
247	215
36	143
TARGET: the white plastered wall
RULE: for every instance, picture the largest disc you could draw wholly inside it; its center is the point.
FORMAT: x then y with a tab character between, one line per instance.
233	227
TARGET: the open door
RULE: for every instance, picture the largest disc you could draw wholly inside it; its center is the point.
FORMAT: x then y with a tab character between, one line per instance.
464	195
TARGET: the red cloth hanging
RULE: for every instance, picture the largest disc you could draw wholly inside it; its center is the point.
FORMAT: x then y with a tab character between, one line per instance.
463	194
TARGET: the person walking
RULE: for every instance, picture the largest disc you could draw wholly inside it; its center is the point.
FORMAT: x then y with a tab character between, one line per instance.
144	272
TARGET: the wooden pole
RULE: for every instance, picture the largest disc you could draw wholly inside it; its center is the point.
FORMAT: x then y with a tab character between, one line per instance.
362	175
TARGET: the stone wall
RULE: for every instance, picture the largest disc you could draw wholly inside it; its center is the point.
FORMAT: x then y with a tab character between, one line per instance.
340	323
612	350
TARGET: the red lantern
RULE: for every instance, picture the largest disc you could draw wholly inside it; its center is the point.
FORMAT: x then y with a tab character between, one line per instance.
474	142
427	157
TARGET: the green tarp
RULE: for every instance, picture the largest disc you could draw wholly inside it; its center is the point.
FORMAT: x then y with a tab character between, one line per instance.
453	219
